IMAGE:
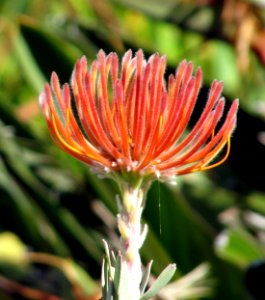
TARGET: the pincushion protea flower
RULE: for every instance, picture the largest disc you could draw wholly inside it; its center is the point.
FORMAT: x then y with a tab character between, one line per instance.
129	123
128	119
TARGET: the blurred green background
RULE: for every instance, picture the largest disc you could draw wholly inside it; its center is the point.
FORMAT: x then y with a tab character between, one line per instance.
54	212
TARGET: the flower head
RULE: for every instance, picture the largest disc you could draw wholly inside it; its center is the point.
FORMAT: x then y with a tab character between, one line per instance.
128	119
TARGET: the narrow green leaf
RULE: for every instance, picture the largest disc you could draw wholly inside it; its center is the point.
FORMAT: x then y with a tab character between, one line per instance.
106	247
83	279
75	229
28	63
146	276
104	278
117	275
106	283
31	217
160	282
151	7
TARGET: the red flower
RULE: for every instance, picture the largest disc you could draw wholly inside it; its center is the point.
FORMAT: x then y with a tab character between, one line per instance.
128	119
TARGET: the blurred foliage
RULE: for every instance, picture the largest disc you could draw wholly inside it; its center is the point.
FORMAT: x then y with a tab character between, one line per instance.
61	212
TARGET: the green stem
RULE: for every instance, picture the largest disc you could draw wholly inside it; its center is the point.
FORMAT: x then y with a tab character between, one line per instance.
132	237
